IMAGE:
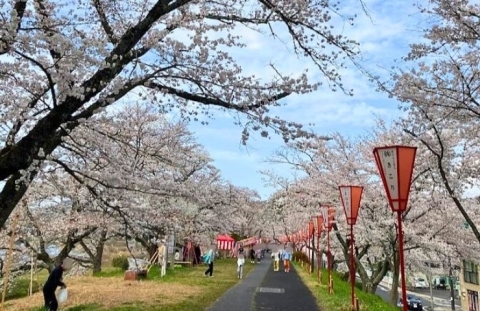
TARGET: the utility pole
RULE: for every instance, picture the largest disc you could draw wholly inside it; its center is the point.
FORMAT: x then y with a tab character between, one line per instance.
431	286
452	290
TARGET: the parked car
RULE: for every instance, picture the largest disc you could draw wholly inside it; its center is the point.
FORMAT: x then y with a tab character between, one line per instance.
413	303
420	283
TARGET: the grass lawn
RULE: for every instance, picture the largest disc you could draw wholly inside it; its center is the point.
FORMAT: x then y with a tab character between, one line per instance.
181	289
340	300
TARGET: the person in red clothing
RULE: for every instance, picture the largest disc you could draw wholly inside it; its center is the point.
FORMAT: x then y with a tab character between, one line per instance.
54	280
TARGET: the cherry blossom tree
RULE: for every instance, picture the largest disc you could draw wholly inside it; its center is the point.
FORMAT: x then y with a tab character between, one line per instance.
440	92
124	177
326	165
62	64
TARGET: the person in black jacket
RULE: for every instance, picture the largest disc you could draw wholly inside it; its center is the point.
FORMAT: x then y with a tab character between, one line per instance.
54	280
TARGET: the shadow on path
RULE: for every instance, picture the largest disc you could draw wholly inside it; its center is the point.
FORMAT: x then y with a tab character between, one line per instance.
266	290
281	291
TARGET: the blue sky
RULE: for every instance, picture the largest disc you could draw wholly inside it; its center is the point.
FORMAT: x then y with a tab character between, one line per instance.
384	37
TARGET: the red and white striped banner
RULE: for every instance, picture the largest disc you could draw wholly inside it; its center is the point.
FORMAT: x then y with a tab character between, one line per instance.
225	245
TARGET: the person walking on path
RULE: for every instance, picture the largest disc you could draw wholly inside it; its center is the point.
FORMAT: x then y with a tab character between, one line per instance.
54	280
259	255
286	256
240	264
276	261
252	255
209	259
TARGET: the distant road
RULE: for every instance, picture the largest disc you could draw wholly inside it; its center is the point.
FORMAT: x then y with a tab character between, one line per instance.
441	298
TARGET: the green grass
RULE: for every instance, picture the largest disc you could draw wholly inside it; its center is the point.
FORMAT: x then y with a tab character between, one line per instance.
212	288
340	300
208	289
21	286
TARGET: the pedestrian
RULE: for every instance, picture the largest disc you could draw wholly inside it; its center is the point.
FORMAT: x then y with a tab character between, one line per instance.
54	280
259	255
286	256
240	248
252	255
209	259
162	257
276	261
240	264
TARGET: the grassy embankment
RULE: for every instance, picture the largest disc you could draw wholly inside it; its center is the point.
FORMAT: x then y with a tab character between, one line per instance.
183	288
340	300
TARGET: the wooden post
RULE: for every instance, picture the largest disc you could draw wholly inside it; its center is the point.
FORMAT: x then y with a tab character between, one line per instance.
31	276
35	271
9	258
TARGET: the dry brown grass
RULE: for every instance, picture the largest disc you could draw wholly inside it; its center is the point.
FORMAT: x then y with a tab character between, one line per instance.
110	292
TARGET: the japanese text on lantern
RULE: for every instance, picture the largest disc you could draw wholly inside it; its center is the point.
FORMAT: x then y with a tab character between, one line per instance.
389	166
324	212
347	200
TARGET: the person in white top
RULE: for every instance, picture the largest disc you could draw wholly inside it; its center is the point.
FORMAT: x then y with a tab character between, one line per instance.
240	264
276	261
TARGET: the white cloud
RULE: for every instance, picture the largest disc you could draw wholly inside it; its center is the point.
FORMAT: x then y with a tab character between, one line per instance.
384	37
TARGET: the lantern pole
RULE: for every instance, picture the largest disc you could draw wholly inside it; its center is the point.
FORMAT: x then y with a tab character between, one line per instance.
328	216
319	268
352	266
313	252
350	197
319	255
395	164
402	261
329	263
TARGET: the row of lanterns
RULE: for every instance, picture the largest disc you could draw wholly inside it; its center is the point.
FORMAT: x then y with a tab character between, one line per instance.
395	165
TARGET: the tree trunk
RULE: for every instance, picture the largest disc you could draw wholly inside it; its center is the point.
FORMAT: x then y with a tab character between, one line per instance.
97	259
395	278
379	270
151	249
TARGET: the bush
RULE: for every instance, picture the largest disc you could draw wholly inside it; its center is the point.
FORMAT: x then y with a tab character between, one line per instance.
120	262
300	256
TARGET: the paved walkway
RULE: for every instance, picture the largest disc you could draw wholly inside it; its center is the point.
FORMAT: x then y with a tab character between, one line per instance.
266	290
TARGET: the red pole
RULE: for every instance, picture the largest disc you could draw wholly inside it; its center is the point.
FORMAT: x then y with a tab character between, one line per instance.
402	261
318	259
352	267
329	263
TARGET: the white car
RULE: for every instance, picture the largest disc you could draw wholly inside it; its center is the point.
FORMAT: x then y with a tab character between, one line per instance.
420	283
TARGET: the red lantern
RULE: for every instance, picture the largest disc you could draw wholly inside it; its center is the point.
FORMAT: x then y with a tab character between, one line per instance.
395	164
351	196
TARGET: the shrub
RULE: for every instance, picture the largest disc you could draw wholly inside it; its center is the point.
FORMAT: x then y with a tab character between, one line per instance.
300	256
120	262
